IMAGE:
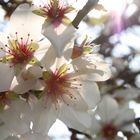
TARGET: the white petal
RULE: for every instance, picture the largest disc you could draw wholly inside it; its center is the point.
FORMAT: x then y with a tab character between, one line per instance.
3	38
43	49
80	63
12	138
90	93
13	117
3	41
106	70
44	116
103	69
36	71
124	115
49	58
6	77
95	125
25	86
87	74
107	109
58	41
79	120
4	132
24	22
75	101
33	136
68	50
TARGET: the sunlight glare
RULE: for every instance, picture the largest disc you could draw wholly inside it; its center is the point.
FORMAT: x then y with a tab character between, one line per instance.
114	5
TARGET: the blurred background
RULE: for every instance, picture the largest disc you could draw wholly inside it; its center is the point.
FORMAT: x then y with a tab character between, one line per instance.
115	26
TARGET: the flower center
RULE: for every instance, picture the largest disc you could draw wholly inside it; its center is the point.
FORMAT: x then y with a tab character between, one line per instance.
82	49
109	131
19	51
59	85
55	12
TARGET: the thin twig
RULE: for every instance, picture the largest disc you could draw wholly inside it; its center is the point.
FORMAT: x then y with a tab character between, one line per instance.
83	12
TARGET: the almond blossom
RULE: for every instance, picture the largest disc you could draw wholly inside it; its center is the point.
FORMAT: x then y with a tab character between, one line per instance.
54	12
109	118
18	48
54	87
61	87
84	55
57	27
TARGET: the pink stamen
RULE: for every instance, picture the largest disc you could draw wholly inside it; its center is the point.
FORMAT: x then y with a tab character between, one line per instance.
19	50
59	84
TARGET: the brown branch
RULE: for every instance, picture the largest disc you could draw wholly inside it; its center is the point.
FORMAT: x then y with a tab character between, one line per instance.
82	13
11	5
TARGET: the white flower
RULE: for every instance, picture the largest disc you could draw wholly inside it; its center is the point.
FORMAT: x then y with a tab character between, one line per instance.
54	11
18	48
109	118
57	27
63	88
83	55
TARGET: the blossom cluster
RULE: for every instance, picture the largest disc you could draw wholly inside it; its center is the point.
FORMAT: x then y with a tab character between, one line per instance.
45	75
